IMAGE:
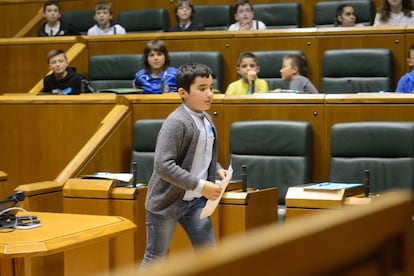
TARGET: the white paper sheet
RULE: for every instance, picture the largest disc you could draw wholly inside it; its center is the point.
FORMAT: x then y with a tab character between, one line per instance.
212	204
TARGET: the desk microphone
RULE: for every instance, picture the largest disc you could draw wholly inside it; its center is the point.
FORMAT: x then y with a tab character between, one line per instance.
244	177
252	86
367	182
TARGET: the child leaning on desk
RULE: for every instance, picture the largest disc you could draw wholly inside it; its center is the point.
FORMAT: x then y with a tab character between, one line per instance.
247	68
294	70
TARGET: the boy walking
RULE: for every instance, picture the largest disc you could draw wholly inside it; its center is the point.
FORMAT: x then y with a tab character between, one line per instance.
185	167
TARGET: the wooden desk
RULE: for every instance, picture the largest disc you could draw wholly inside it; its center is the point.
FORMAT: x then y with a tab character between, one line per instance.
83	240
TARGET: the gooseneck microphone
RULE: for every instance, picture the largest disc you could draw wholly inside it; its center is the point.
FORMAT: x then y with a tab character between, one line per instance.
244	177
367	180
252	86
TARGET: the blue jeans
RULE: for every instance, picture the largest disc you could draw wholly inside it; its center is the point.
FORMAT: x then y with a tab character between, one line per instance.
160	229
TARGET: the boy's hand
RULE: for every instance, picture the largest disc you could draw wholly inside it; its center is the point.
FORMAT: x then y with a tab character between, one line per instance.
251	75
211	191
222	173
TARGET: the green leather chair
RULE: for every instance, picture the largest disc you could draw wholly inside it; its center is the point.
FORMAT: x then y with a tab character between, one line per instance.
213	17
113	71
278	15
145	20
270	64
212	59
82	20
357	70
144	137
277	153
324	12
386	149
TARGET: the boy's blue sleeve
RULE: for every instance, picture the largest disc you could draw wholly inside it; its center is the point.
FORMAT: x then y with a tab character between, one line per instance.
170	78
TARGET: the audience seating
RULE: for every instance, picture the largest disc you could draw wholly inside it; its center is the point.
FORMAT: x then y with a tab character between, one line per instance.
144	137
277	153
113	71
212	59
82	20
270	64
386	149
279	15
324	12
145	20
357	70
213	17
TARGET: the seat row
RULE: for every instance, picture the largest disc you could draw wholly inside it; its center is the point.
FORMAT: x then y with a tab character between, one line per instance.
343	71
277	153
220	17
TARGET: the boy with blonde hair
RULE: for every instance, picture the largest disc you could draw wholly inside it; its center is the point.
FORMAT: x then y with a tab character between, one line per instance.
105	25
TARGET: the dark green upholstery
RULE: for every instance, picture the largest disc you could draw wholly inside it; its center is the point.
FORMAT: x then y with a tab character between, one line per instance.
82	20
324	12
212	59
384	148
357	70
144	138
145	20
113	71
270	64
213	17
276	153
278	15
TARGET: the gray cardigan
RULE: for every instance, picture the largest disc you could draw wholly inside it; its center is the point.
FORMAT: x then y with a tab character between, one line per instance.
174	154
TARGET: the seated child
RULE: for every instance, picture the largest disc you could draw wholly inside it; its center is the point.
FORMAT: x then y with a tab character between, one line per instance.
105	25
64	79
345	17
243	13
406	82
247	68
156	77
184	11
54	26
294	70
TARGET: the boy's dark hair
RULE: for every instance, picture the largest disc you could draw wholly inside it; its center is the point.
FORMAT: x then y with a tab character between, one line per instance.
241	3
51	3
103	5
298	61
55	52
158	46
339	12
244	55
182	2
187	73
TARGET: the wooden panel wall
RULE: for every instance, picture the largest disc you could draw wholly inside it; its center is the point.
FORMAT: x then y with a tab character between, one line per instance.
17	13
15	53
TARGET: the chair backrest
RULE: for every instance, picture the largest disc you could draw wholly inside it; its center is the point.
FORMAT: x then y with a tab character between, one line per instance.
82	20
279	15
113	71
213	17
144	138
145	20
270	64
212	59
386	149
324	12
276	153
357	70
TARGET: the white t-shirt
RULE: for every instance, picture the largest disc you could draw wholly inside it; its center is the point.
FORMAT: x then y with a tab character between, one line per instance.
114	29
257	25
396	19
